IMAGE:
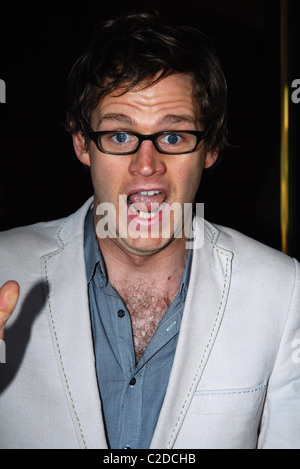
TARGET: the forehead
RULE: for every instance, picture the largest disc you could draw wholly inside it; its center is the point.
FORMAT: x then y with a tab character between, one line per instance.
170	96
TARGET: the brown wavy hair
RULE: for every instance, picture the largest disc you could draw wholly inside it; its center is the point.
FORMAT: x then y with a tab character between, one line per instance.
137	50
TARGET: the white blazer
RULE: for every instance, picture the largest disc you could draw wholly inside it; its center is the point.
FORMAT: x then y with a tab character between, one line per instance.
235	382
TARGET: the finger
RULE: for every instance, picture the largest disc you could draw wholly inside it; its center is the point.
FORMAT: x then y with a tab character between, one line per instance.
9	294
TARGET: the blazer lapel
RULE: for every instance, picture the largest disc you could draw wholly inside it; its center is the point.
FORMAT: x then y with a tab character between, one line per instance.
69	321
204	308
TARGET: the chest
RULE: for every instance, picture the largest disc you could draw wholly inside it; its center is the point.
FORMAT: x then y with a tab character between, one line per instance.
147	304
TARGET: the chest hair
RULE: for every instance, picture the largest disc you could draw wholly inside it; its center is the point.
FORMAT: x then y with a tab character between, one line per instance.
147	302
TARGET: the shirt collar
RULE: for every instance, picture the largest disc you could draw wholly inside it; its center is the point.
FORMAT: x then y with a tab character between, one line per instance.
94	259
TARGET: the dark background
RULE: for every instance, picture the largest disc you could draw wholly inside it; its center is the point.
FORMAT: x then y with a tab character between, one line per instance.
40	177
294	128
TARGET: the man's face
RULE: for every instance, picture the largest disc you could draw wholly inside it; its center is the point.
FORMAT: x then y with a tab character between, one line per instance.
147	180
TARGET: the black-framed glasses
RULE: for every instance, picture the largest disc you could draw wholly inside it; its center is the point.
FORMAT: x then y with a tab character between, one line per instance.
169	142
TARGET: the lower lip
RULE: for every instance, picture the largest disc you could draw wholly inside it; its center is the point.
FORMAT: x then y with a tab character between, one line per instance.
147	221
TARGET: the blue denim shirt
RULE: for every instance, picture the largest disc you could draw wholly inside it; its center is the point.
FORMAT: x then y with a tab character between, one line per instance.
131	395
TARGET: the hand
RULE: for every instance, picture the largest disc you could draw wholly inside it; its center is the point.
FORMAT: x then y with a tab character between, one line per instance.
9	294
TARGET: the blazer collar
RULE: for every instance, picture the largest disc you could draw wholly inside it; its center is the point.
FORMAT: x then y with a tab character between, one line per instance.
73	226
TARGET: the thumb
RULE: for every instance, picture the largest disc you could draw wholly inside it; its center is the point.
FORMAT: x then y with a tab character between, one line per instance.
9	294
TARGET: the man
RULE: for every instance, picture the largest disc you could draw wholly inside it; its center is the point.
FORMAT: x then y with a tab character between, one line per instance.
136	327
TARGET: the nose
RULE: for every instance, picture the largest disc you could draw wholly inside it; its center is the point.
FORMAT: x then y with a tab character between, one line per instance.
147	161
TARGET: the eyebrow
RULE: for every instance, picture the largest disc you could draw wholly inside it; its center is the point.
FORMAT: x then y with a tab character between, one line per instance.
177	118
169	118
114	116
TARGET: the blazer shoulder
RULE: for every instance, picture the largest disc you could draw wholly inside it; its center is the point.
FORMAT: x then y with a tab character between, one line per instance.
32	238
21	250
44	237
252	254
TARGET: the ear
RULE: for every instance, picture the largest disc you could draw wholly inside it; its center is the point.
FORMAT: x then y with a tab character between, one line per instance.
210	158
81	148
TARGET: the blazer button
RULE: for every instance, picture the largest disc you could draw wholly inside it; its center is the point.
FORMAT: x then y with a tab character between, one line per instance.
132	382
121	313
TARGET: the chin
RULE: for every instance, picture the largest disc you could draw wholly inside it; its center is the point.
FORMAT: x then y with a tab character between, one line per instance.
143	247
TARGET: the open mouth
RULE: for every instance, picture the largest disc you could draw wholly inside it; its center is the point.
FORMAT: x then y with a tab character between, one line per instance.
146	204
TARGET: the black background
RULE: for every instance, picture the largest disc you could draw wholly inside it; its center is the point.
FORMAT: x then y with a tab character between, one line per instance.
40	177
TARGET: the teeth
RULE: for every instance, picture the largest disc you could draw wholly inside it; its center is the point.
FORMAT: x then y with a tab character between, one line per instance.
146	215
141	214
149	192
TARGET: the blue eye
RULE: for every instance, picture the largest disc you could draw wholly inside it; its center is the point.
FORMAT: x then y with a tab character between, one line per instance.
121	138
172	139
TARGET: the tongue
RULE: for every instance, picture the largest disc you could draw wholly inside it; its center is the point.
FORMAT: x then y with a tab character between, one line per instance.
147	202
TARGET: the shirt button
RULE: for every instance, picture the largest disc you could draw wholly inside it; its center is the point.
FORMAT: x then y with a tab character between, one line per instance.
121	313
132	382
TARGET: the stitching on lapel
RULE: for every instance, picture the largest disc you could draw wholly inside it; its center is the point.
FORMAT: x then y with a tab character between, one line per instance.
205	350
58	347
59	231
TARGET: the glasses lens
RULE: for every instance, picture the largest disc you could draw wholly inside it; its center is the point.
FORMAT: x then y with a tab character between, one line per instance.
118	142
176	142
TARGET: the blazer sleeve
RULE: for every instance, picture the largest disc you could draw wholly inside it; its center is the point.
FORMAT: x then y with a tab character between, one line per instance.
280	425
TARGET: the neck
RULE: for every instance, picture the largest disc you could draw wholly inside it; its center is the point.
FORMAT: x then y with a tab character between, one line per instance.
122	264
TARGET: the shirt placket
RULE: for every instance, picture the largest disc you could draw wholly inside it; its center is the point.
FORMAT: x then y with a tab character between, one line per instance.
135	377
